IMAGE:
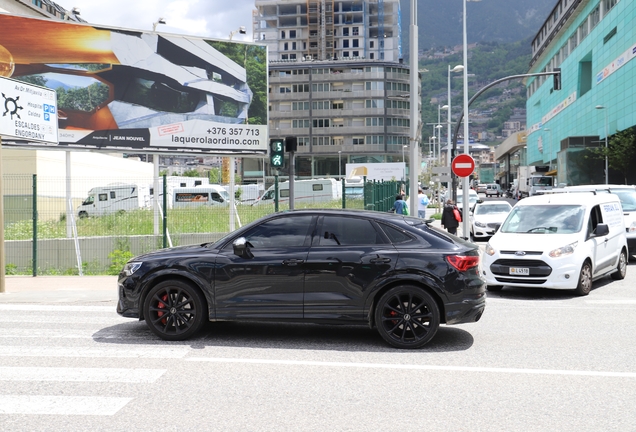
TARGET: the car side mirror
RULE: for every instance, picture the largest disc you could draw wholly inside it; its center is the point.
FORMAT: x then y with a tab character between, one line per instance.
601	230
242	248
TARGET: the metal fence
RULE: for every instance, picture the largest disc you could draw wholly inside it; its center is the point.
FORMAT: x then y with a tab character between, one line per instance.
45	235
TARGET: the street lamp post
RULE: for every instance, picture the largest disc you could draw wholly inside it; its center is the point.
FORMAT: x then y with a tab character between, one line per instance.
415	104
465	183
602	107
339	164
457	68
439	131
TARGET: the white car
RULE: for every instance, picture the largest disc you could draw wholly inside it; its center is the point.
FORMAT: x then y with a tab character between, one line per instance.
558	241
487	217
493	189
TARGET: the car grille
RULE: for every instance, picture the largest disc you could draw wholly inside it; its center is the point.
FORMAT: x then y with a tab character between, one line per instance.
520	280
537	268
507	252
494	225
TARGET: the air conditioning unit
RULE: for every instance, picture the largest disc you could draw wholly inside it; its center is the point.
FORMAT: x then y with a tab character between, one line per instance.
307	58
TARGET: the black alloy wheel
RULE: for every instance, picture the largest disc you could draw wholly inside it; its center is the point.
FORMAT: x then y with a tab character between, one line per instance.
174	310
621	268
407	317
585	279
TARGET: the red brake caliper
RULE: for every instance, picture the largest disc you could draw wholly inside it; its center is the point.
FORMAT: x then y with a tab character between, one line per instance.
162	305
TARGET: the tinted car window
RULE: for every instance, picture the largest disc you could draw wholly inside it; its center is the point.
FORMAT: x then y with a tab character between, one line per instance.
395	235
340	231
280	232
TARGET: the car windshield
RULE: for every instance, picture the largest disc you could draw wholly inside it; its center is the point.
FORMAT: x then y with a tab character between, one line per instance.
542	181
492	209
544	219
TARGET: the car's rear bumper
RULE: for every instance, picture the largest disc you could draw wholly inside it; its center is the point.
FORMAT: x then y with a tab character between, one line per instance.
470	309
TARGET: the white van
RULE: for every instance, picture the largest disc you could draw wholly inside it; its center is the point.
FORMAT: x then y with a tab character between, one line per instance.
210	195
627	195
113	198
560	241
305	191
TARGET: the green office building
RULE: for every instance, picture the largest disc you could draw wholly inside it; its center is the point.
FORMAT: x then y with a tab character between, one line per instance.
594	44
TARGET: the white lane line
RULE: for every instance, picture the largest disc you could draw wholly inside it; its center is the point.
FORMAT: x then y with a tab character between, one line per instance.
110	375
87	333
62	405
151	351
416	367
54	319
55	308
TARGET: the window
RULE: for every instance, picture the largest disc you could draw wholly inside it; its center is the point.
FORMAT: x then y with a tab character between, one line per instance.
585	77
103	197
281	232
300	88
345	54
583	30
320	122
338	231
112	194
358	140
396	235
355	43
320	105
285	46
355	31
356	53
345	31
282	34
375	103
300	106
337	105
375	121
595	16
345	43
316	187
608	5
304	123
374	85
216	197
292	34
371	44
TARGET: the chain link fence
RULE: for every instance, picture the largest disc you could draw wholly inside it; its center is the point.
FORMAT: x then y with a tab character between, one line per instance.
101	226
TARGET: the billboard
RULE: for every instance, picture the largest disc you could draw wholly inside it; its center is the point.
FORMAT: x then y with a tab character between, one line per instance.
141	92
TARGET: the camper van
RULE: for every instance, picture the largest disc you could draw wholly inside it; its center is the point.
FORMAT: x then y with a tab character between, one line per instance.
305	191
209	195
114	198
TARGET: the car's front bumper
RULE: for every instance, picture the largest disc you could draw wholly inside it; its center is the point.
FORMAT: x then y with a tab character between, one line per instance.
564	274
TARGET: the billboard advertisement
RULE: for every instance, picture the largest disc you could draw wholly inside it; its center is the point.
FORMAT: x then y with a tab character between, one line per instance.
141	92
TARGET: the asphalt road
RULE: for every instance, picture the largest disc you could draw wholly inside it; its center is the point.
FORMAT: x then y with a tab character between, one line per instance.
538	360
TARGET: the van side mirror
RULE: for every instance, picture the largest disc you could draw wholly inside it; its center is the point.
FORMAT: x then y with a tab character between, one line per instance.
600	230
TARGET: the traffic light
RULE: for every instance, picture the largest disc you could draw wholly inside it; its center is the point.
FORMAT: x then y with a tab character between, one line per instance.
556	79
276	152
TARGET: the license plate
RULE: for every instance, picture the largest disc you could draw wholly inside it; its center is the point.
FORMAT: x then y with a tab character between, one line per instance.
525	271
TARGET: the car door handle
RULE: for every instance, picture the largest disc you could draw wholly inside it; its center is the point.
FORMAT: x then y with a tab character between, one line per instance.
293	262
380	260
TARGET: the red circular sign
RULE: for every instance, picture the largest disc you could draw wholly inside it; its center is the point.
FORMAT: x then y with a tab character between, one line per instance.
463	165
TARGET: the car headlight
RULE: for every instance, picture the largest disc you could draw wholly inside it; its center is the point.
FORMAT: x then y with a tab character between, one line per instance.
632	227
131	267
489	250
480	224
563	251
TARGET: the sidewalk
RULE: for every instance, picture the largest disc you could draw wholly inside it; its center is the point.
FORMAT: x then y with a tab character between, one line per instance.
59	289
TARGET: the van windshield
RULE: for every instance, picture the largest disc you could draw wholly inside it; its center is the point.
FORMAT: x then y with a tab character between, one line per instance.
90	200
544	219
627	197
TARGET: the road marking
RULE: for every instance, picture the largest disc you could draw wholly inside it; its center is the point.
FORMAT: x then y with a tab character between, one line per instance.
52	319
110	375
55	308
417	367
151	351
62	405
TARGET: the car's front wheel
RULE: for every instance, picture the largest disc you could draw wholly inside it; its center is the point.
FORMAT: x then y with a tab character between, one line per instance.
585	279
407	317
174	310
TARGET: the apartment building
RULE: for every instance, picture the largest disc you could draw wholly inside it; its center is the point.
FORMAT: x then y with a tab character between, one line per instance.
40	9
336	82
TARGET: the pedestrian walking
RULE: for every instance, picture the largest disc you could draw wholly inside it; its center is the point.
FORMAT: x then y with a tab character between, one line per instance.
449	221
422	203
400	206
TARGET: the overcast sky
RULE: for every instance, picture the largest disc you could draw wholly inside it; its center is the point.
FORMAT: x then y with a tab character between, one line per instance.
207	18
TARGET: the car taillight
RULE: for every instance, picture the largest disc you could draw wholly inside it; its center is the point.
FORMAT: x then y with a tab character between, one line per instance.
463	263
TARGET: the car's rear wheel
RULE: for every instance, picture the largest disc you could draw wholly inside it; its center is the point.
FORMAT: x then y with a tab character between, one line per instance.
407	317
585	279
174	310
621	268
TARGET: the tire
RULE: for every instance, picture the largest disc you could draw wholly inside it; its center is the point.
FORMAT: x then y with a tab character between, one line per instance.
83	215
494	288
174	310
621	268
407	317
585	279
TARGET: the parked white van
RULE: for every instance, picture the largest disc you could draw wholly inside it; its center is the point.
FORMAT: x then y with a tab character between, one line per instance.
627	195
113	198
210	195
560	241
305	191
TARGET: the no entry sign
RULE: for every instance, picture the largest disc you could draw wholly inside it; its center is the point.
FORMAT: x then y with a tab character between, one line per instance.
463	165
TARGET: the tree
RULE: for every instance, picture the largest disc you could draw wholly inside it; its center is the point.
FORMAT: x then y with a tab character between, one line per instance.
620	152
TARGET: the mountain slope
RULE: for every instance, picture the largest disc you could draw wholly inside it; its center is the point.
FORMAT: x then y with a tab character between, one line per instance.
440	21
